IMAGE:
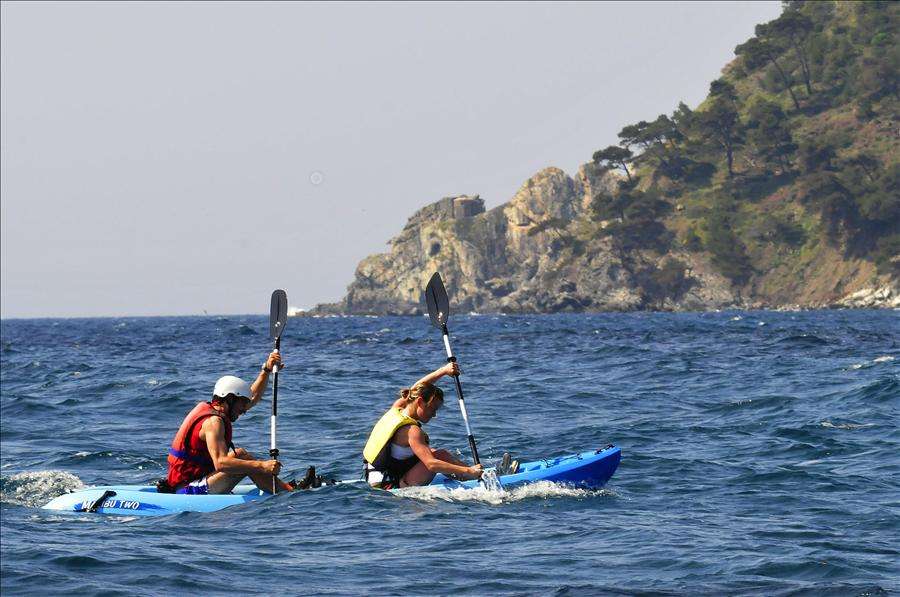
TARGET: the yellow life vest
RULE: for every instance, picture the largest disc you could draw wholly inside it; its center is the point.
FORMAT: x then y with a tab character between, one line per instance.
377	450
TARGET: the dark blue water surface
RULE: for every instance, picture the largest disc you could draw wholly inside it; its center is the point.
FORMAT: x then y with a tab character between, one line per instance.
761	454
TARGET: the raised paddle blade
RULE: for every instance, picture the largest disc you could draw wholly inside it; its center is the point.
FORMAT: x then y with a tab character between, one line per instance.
278	314
437	301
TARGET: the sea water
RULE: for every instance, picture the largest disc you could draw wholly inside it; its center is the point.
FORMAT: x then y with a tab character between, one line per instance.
760	454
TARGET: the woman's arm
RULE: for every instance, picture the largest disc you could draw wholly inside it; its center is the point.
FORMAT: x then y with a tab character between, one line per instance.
448	369
436	465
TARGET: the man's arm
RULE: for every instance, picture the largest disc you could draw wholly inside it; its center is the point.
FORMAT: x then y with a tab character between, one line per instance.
213	431
258	387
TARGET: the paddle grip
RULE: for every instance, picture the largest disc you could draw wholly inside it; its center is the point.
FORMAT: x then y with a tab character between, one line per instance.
474	449
277	349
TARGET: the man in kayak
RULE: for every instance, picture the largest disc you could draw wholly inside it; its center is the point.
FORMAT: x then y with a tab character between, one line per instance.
202	459
397	453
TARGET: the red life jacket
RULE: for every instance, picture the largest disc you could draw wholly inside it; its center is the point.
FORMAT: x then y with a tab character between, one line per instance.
189	457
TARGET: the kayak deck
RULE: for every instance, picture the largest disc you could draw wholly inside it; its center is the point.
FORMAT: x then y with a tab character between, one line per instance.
588	469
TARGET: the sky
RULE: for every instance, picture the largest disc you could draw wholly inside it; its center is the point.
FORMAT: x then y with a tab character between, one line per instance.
189	158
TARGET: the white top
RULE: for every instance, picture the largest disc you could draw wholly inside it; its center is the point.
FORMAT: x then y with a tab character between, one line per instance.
401	452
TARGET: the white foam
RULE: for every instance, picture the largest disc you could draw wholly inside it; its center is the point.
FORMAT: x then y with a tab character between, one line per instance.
36	488
538	490
849	426
867	364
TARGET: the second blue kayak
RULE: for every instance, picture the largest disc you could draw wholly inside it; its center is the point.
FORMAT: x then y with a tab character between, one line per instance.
589	470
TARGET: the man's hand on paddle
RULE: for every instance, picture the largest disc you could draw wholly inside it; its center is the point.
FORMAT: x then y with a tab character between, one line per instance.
274	359
271	467
451	369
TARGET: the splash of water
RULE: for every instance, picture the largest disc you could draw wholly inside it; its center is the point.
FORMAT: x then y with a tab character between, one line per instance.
538	490
490	481
36	488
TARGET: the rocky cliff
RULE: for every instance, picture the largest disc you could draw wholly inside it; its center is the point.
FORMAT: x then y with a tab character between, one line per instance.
504	260
542	252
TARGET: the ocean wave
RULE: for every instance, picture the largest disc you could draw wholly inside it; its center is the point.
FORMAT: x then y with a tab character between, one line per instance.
803	340
885	388
847	426
872	363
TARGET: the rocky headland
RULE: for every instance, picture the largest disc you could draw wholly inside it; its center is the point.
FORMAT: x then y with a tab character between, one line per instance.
779	191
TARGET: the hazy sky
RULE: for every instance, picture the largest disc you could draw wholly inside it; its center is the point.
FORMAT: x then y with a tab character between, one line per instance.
176	158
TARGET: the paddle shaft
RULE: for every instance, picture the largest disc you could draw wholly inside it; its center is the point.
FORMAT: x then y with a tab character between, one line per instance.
459	394
273	449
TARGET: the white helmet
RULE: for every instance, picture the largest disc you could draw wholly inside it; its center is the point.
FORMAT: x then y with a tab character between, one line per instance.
229	384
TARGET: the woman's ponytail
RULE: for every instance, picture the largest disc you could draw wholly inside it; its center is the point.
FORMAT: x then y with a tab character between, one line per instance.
426	391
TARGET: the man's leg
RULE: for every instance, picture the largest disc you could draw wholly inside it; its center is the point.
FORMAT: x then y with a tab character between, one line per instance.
225	483
219	483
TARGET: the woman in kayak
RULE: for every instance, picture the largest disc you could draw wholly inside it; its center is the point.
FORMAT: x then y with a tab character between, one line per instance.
397	453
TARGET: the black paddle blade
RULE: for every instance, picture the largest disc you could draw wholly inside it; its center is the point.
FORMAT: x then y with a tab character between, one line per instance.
437	301
278	314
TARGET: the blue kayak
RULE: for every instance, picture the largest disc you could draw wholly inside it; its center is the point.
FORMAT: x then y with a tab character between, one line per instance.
144	500
587	469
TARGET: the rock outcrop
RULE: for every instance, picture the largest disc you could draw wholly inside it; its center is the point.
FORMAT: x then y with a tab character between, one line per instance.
885	297
536	253
543	252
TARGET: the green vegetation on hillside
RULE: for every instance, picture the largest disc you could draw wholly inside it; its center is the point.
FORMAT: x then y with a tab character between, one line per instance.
795	148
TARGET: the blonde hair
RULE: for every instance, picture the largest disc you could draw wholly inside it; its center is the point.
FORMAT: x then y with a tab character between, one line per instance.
425	391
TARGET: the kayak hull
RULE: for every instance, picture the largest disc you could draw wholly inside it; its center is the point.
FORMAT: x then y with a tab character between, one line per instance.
587	469
144	500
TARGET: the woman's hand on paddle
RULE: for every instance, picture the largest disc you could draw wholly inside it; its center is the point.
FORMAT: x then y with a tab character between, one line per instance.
476	471
451	369
274	359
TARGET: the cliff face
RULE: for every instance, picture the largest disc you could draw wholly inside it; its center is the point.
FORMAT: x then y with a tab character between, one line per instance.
502	260
509	260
